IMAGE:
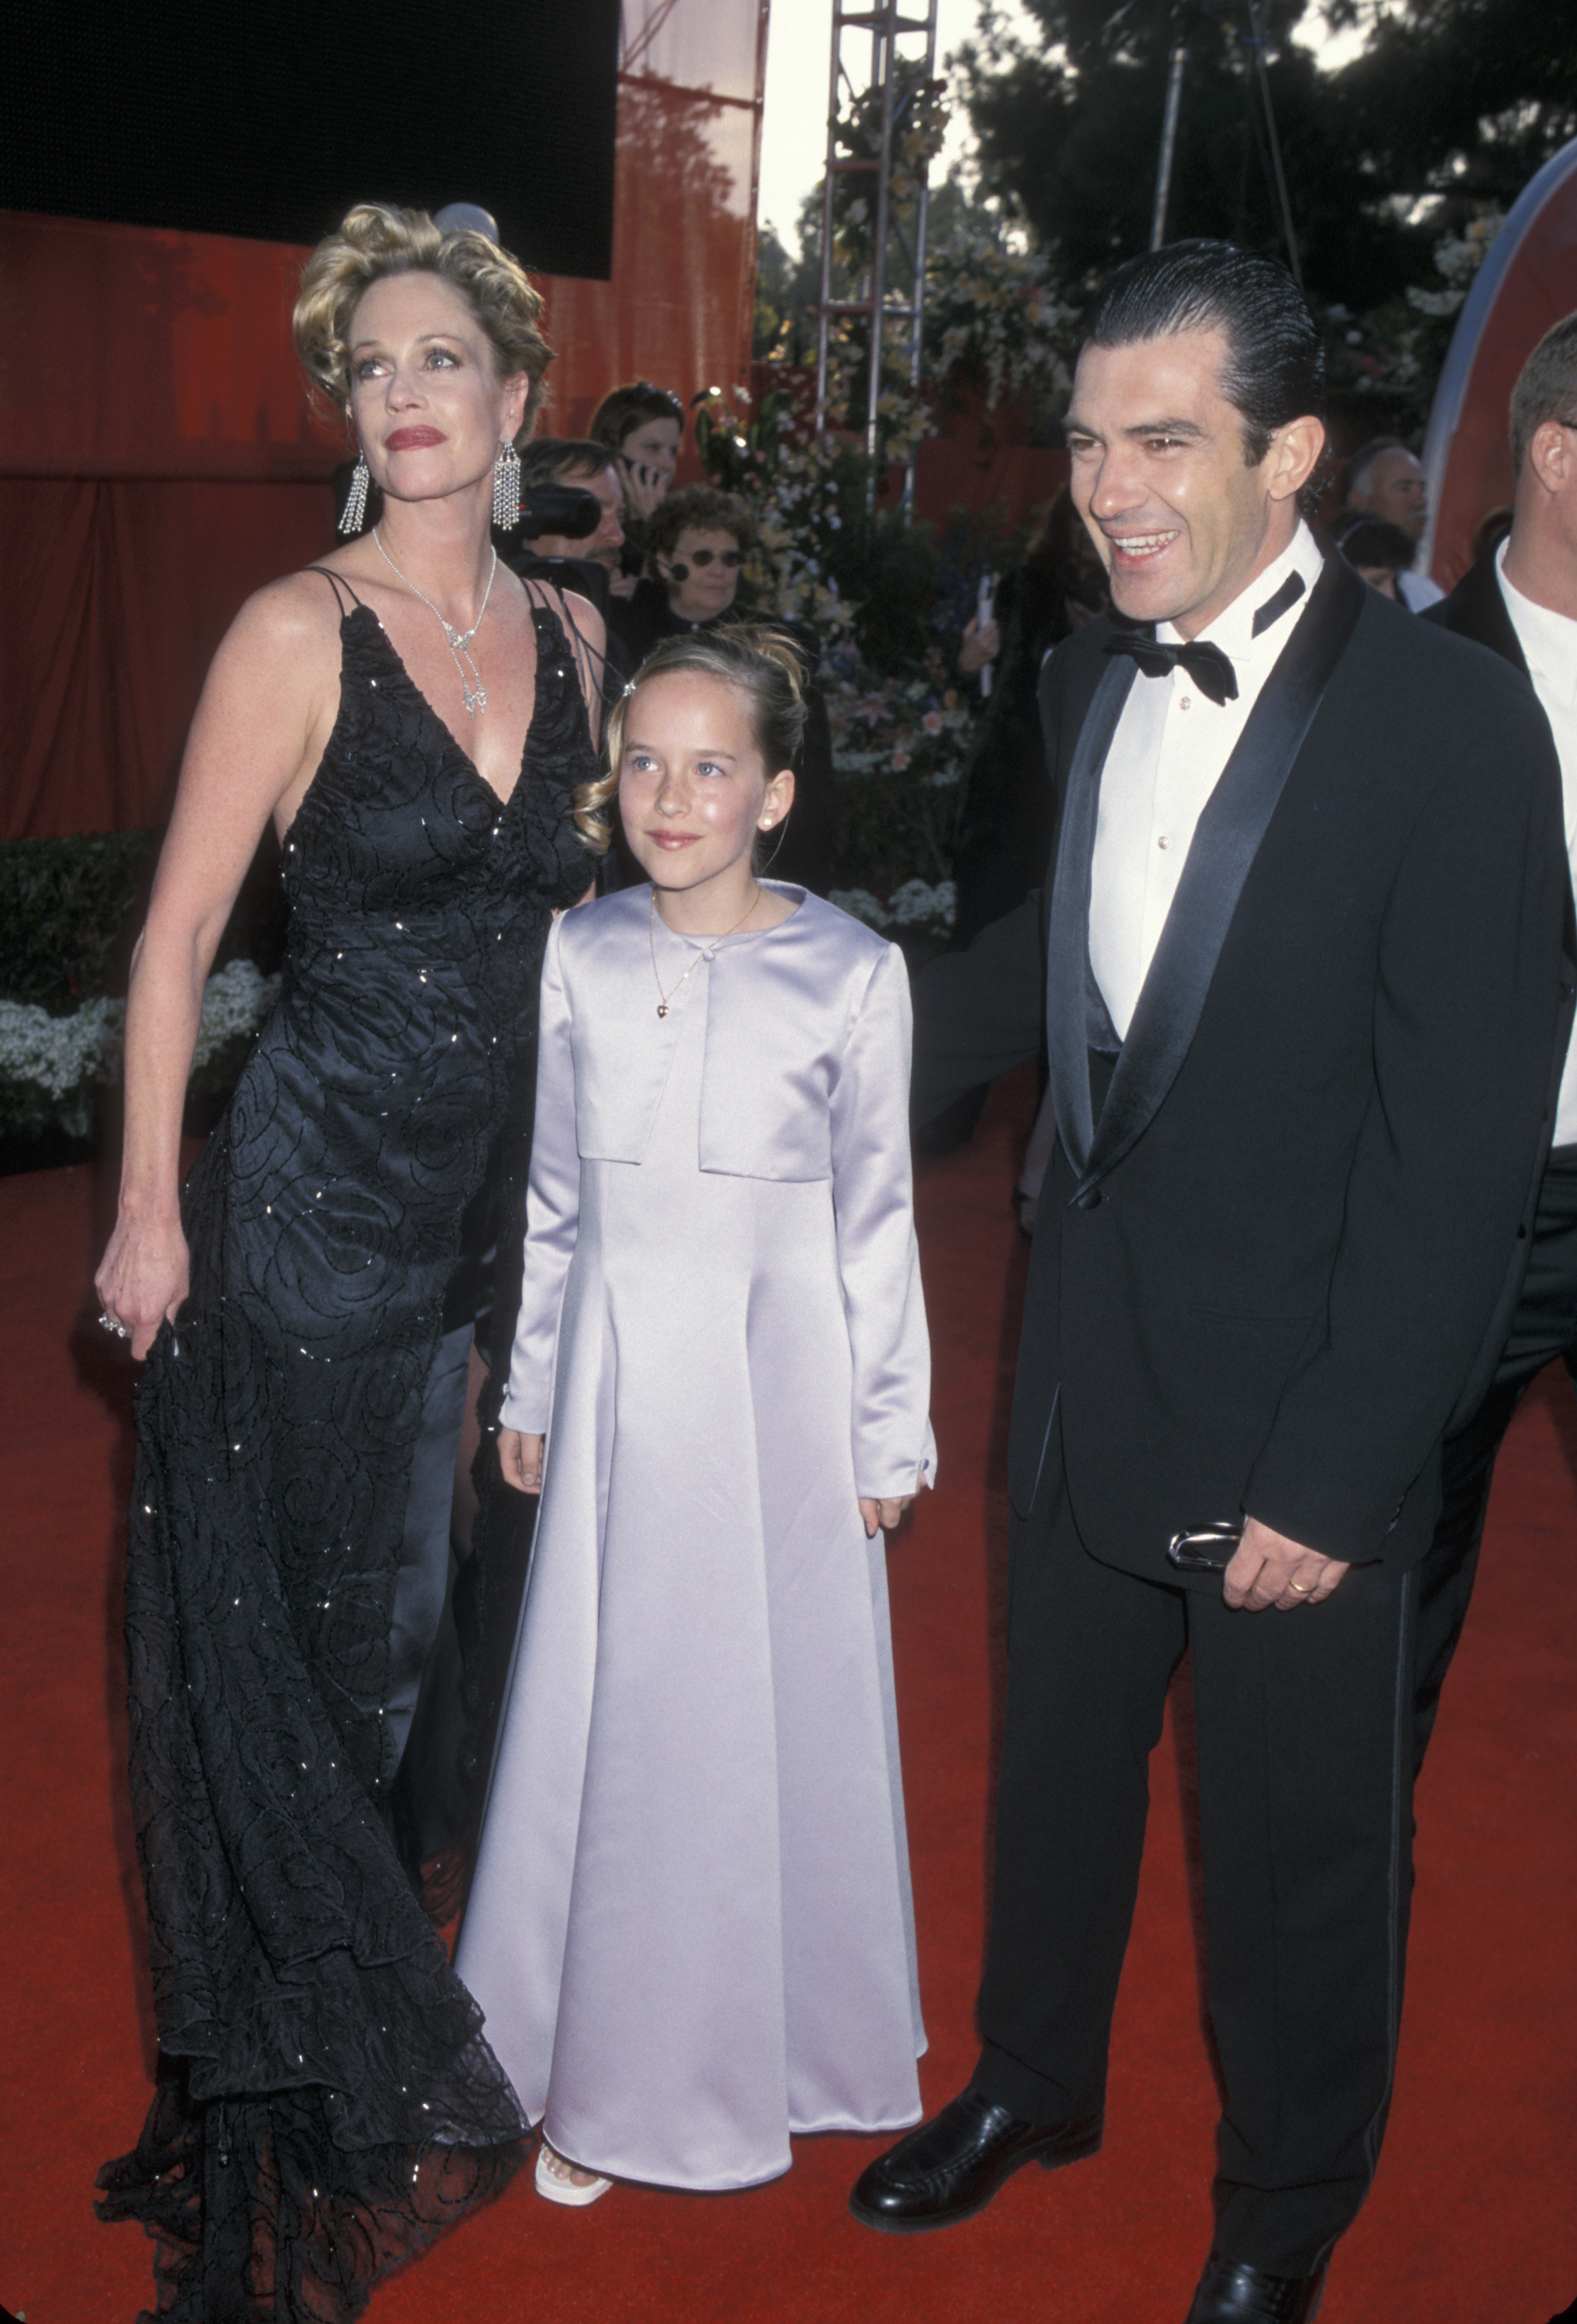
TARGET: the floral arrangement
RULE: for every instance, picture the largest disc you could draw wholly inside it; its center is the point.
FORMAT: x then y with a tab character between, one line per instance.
918	904
919	124
50	1067
991	314
795	483
900	746
53	1068
1393	355
1457	257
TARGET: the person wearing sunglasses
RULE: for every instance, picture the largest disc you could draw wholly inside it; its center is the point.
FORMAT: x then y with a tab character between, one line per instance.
698	543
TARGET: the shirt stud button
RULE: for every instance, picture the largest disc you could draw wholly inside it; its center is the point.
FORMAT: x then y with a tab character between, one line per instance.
1163	841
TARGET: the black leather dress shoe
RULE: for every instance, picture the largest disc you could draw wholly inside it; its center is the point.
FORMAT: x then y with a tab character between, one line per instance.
952	2167
1231	2292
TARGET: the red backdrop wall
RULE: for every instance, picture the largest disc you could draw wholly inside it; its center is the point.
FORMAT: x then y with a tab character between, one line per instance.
158	461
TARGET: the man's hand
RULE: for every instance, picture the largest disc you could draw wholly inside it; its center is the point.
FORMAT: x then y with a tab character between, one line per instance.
1268	1570
521	1458
978	645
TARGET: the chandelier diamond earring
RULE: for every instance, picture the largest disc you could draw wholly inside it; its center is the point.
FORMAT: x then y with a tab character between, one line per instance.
506	488
355	506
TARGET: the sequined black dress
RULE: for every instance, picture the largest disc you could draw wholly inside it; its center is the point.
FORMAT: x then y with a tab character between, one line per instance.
326	2101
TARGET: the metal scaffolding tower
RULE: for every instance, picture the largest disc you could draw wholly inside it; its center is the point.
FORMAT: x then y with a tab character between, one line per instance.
891	289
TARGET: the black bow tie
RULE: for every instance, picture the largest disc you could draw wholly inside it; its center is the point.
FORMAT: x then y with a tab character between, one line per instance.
1210	669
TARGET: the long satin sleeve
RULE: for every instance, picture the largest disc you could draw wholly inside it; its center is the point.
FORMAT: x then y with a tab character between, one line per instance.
552	1206
878	1259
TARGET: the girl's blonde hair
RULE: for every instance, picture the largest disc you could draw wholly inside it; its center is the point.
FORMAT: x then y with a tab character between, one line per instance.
765	665
377	240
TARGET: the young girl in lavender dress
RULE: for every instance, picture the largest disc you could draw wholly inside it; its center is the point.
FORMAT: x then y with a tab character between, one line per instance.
690	1929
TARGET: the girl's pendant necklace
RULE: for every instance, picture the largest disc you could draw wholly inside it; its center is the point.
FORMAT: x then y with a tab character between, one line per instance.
471	687
665	1000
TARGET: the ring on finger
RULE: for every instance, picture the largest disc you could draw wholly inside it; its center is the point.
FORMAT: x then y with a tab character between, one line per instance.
1302	1589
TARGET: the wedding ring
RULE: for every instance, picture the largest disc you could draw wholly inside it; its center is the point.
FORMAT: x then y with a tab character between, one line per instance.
1302	1587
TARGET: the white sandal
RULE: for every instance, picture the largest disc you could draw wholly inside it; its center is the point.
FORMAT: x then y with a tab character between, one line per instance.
564	2190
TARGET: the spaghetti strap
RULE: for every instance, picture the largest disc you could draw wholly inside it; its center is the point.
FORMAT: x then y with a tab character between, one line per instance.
336	584
555	604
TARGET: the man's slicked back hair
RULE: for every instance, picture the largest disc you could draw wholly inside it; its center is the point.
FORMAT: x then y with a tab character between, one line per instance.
1275	370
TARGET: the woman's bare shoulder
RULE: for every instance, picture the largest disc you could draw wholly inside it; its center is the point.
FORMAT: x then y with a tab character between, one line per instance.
585	615
292	622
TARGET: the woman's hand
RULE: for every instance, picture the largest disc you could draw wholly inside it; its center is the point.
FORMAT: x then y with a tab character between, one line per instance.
885	1514
144	1277
521	1458
643	486
979	646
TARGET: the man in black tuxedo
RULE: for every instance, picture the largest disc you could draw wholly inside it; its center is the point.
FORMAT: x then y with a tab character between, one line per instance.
1299	979
1521	602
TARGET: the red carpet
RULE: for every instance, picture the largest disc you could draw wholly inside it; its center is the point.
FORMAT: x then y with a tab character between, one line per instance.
1471	2221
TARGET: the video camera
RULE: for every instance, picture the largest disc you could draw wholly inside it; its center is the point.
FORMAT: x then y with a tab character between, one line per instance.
566	510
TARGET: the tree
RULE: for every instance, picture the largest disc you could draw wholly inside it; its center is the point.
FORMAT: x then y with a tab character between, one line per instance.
1424	139
1069	135
787	288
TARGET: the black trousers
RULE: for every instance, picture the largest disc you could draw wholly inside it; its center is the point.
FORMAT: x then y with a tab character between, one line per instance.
1545	1327
1304	1732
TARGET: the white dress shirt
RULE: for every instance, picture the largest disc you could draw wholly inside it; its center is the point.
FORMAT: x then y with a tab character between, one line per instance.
1171	745
1549	647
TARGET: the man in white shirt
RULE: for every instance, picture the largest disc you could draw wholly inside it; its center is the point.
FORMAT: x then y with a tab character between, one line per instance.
1299	980
1521	602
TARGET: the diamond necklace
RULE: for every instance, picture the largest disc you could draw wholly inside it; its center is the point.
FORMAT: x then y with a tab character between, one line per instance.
471	687
665	1000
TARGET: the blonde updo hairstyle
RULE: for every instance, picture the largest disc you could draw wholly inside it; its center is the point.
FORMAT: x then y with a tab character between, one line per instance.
764	664
377	240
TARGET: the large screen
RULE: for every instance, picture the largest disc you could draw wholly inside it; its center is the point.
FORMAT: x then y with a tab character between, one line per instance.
270	121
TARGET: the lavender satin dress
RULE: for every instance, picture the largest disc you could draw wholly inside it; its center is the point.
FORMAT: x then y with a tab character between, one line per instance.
691	1929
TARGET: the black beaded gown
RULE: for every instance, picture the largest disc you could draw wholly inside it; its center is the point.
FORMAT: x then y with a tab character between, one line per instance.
326	2101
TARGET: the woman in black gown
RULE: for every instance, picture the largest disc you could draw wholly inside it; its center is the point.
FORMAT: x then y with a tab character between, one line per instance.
415	722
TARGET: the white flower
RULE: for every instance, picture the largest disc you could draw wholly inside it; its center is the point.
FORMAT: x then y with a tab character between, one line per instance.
59	1054
234	1002
918	904
62	1057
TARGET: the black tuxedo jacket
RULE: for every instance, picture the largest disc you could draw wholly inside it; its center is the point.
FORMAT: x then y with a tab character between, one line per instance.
1268	1268
1476	609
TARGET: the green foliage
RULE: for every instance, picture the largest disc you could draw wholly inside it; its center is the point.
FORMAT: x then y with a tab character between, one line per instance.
63	903
900	747
1442	117
884	565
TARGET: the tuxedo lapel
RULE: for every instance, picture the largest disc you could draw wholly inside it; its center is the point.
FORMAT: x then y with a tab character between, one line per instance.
1477	609
1067	950
1226	841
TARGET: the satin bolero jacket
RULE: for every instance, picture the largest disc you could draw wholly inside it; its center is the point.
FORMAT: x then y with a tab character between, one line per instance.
805	1077
779	1014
